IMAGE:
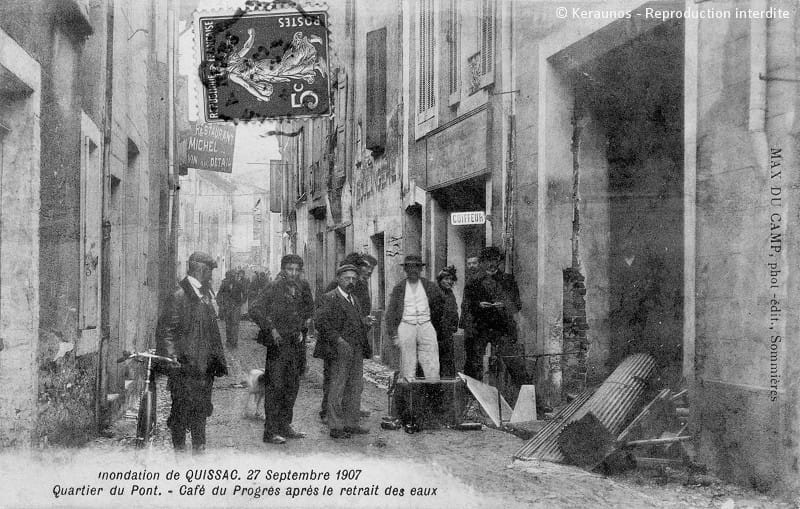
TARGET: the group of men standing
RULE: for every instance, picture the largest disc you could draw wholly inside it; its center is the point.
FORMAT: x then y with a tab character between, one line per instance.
283	312
421	318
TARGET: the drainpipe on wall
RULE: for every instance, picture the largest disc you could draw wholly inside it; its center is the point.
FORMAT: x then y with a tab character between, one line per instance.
172	175
758	87
105	279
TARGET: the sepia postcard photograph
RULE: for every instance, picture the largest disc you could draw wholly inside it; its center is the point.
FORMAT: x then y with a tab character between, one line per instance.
400	254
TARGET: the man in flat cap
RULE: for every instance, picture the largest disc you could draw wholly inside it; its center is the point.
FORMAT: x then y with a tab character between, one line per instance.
283	311
361	294
188	332
343	341
414	320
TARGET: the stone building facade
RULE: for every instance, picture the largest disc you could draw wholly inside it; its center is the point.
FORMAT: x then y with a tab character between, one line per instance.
85	167
636	168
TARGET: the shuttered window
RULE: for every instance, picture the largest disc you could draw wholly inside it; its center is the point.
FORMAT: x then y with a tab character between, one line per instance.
486	22
453	48
426	41
376	91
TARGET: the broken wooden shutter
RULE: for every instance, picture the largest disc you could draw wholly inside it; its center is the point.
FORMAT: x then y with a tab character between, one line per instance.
376	90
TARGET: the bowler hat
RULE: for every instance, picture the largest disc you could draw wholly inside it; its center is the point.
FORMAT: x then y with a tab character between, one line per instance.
413	260
346	267
201	257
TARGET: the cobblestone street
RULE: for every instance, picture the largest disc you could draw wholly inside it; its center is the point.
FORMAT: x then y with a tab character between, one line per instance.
480	460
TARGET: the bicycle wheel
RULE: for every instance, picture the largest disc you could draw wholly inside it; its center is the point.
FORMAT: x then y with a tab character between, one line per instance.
146	420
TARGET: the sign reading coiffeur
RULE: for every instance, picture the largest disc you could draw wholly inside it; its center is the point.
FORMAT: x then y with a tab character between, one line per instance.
464	218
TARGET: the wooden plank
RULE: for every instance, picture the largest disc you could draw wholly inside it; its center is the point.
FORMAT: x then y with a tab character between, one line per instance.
654	462
644	413
657	441
679	395
487	398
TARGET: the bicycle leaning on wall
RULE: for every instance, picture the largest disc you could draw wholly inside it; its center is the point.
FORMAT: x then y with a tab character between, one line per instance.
146	420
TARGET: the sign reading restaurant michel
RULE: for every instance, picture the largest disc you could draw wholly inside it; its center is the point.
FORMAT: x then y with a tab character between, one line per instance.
264	65
208	147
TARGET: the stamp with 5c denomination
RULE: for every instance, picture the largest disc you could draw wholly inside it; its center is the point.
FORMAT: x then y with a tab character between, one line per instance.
263	65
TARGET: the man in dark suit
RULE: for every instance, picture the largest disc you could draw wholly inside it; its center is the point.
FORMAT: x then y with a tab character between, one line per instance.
188	332
343	341
492	300
361	294
282	311
414	321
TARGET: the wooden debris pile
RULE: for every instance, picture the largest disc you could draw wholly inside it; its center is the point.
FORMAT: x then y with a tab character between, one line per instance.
603	427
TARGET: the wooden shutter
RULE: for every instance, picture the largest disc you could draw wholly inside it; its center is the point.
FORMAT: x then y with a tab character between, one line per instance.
426	54
454	50
487	36
275	185
376	90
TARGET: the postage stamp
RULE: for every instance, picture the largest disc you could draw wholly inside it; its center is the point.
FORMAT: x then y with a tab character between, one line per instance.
258	66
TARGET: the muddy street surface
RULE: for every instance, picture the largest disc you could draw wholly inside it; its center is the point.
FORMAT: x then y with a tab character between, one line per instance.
468	468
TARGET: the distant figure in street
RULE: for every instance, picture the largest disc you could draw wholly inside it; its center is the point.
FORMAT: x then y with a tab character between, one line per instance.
343	341
446	279
283	311
414	319
188	332
231	296
493	303
359	292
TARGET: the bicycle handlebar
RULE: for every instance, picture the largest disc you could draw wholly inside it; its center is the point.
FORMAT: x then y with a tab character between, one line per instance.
146	355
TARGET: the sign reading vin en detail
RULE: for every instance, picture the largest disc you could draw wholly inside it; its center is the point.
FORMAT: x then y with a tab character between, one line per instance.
463	218
264	66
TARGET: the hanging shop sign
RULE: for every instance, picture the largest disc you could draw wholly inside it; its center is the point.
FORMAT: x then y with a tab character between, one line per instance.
464	218
257	65
208	147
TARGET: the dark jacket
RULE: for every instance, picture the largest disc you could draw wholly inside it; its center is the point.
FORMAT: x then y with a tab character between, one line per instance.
231	293
188	331
500	287
360	292
284	305
450	314
394	312
337	318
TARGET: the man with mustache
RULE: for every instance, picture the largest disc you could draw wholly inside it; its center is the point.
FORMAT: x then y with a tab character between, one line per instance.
283	311
342	341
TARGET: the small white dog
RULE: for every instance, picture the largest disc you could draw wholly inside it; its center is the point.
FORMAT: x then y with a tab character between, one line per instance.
255	393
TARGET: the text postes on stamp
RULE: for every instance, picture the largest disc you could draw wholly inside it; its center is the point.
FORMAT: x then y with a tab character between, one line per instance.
256	66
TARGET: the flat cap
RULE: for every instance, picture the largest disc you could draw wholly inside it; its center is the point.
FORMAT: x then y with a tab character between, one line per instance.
346	267
201	257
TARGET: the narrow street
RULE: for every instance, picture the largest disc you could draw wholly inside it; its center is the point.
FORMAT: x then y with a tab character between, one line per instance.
468	468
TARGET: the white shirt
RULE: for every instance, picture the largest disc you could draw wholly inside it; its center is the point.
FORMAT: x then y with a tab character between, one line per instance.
415	304
346	296
196	286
